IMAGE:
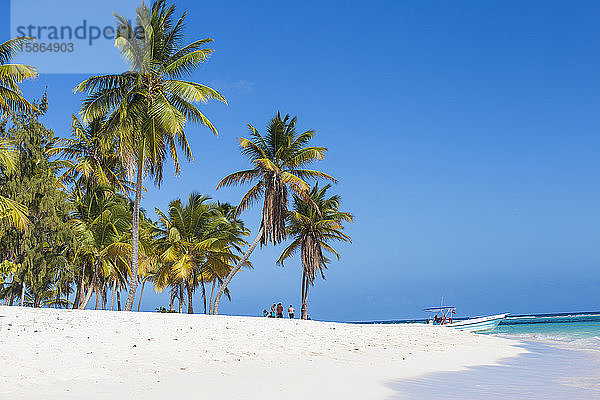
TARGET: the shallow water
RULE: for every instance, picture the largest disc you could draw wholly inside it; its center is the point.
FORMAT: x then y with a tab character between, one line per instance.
574	332
546	372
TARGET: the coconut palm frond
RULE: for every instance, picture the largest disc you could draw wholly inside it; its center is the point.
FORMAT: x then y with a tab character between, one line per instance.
11	75
14	214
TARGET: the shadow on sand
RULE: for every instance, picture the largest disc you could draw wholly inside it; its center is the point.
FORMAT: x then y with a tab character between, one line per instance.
546	373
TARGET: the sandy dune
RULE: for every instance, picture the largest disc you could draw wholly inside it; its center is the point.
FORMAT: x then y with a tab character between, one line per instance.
65	354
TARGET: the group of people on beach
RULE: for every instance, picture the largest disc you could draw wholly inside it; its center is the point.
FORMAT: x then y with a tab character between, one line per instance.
277	311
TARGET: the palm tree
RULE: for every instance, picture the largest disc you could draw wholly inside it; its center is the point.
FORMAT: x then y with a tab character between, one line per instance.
219	266
11	102
45	294
92	157
147	107
147	272
101	223
11	213
93	165
197	244
313	229
11	75
279	160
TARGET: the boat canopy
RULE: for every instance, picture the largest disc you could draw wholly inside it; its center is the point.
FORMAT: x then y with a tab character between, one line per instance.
438	308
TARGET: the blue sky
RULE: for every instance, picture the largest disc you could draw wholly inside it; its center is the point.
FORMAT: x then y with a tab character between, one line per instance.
464	135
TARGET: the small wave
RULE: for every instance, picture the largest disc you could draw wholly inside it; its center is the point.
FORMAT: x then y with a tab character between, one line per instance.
558	340
551	320
592	343
555	316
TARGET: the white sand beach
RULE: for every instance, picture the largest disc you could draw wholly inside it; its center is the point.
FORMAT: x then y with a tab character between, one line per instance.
72	354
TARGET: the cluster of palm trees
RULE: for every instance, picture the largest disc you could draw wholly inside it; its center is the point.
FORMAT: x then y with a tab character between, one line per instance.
12	214
129	125
198	242
279	163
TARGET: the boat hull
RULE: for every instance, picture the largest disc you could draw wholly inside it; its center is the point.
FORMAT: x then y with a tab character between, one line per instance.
482	324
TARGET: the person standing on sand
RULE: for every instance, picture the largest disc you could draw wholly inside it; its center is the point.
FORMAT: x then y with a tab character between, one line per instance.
265	313
279	311
273	310
291	312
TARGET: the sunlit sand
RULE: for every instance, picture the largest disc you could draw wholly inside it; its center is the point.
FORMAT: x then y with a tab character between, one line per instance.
65	354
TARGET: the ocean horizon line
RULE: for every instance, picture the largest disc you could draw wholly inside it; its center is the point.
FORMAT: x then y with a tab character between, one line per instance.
510	317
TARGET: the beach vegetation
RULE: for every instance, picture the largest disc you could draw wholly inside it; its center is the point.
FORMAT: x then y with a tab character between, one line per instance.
313	224
72	228
197	244
279	161
147	107
42	251
11	75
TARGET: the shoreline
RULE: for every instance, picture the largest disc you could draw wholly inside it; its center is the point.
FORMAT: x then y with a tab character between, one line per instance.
563	344
66	354
546	370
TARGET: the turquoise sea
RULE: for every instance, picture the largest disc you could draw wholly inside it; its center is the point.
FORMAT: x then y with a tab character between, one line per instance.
571	330
578	329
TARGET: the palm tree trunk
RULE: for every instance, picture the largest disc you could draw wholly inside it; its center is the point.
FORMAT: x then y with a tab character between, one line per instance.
97	299
88	295
118	300
87	298
23	292
104	297
212	292
172	299
93	284
304	309
190	306
80	289
203	291
76	299
57	298
112	297
181	298
9	300
67	295
23	287
141	294
136	232
235	270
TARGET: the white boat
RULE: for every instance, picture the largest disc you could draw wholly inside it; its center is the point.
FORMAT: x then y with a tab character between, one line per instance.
445	316
480	324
